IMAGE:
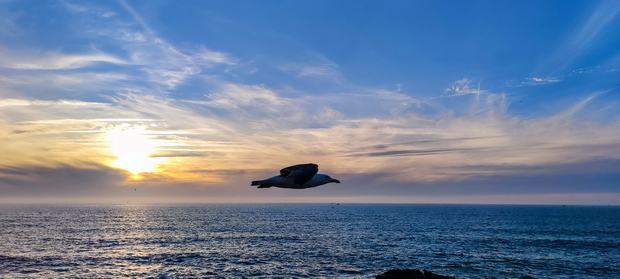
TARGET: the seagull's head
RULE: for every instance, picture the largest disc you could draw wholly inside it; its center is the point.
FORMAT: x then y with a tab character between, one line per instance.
328	179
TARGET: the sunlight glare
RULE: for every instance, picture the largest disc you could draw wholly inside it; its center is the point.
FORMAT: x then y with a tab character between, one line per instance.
133	148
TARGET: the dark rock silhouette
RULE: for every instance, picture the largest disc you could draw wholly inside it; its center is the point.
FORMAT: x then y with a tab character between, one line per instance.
411	274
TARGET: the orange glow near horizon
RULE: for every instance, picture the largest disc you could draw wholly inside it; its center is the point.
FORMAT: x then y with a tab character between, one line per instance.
133	148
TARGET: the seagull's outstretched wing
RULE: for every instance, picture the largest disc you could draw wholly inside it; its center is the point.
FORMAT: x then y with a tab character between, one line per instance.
300	173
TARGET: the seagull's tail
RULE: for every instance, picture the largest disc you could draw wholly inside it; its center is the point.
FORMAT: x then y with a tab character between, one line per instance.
260	184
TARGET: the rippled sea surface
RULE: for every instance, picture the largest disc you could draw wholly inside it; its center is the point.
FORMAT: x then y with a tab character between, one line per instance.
307	241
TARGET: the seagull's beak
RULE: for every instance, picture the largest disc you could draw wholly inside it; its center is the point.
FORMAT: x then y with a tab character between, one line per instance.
336	180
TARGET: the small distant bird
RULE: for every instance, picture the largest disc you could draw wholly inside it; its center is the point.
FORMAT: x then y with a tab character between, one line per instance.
296	177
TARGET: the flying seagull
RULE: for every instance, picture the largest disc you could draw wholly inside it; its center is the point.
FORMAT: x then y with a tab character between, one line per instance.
296	177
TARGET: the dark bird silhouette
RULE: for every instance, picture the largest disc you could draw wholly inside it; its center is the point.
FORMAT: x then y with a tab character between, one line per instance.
300	176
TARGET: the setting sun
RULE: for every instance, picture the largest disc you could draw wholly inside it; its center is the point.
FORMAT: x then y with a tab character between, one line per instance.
133	148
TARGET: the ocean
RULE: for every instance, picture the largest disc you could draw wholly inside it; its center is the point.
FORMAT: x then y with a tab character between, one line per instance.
308	241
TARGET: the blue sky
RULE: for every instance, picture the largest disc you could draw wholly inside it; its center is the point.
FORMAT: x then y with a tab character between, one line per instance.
403	101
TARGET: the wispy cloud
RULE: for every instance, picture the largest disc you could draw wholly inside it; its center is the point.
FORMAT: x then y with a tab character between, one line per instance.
59	110
242	124
167	64
7	23
44	133
537	81
316	66
208	57
584	37
462	87
315	70
544	80
54	61
147	62
60	180
97	12
604	13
